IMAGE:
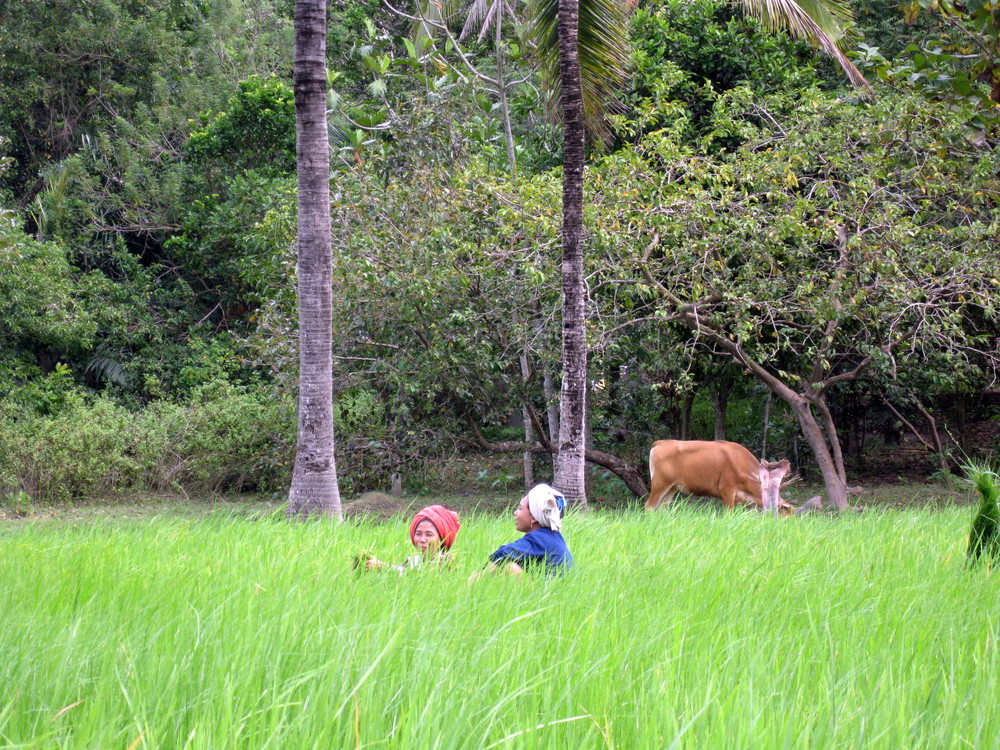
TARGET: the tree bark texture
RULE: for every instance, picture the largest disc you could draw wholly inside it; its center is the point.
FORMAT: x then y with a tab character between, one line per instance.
528	459
833	439
570	464
936	437
551	409
314	489
687	407
812	430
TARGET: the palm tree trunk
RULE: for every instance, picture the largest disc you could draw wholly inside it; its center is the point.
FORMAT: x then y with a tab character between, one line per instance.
314	489
570	464
551	411
528	457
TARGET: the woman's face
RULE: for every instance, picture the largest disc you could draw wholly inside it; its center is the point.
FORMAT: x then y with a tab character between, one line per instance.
426	537
523	520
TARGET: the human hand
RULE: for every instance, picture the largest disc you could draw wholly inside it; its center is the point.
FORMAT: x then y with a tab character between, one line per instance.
362	560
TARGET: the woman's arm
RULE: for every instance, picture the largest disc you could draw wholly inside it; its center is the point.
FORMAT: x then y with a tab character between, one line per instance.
373	563
512	568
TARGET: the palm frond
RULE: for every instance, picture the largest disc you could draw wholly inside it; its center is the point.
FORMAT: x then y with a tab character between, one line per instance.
433	13
493	18
338	136
603	47
475	15
480	15
822	23
833	16
984	537
543	31
102	369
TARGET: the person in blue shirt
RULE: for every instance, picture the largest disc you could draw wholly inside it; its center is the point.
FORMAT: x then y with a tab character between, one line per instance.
539	518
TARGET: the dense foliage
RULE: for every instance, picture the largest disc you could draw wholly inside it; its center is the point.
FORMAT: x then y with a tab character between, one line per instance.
147	230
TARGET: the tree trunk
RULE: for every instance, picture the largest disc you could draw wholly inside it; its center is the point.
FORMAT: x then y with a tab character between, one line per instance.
633	478
963	432
936	447
832	438
766	426
687	406
570	464
551	411
720	404
527	460
836	487
314	489
508	132
588	445
942	457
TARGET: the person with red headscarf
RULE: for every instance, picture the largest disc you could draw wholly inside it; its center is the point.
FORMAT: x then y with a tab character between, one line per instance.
432	532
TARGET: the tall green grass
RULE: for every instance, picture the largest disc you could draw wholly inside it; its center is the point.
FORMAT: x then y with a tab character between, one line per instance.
677	629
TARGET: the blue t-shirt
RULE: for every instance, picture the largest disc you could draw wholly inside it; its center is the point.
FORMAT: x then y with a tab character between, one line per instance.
538	546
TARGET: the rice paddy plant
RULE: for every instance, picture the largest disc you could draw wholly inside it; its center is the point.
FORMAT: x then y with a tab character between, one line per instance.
677	629
984	537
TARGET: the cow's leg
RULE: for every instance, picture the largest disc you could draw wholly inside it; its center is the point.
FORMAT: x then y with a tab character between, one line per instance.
660	491
729	498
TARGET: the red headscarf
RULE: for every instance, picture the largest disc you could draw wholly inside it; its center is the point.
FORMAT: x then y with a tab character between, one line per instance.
444	520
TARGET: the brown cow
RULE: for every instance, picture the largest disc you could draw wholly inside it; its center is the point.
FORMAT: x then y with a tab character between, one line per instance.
713	468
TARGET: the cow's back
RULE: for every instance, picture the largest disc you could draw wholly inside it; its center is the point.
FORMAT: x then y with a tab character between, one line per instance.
703	467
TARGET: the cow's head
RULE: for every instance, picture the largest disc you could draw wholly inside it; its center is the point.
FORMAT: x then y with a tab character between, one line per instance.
771	475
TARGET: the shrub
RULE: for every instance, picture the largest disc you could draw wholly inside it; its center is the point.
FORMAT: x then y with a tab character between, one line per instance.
225	438
81	451
222	438
984	536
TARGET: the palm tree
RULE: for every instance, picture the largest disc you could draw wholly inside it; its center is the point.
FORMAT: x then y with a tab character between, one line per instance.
583	45
314	489
586	42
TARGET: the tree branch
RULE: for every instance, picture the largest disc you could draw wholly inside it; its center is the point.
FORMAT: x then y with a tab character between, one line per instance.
443	28
536	425
632	478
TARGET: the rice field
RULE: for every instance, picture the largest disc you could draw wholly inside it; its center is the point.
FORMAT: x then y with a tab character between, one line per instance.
680	629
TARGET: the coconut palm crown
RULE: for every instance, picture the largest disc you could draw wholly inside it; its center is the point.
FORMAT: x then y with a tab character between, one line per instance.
603	43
